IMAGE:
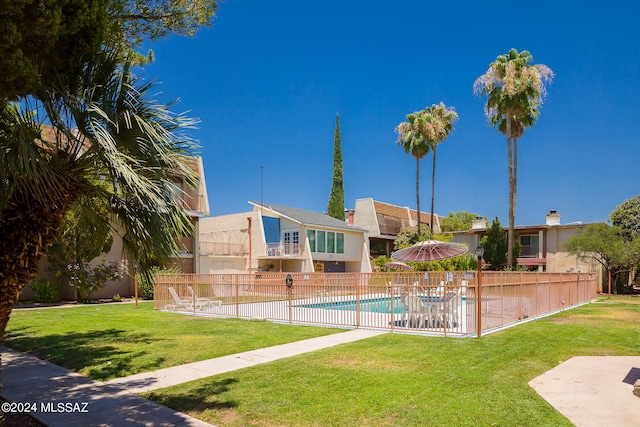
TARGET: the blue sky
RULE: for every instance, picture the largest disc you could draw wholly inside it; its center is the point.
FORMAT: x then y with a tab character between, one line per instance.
268	78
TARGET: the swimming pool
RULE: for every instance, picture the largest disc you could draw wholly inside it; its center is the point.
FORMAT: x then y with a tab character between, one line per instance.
372	305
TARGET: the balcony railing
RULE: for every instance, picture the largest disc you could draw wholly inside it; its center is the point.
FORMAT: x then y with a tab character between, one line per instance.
218	248
529	251
279	249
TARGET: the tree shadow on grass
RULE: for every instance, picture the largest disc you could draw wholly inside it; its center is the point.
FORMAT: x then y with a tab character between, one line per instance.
92	353
205	397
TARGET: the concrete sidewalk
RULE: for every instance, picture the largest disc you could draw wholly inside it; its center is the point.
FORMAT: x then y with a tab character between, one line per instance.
593	391
85	402
167	377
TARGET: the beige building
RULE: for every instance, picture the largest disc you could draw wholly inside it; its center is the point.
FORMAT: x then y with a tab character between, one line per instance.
283	239
542	245
383	222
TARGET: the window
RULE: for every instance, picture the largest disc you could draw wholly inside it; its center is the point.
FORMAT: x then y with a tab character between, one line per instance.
321	241
291	242
331	242
340	243
311	235
530	245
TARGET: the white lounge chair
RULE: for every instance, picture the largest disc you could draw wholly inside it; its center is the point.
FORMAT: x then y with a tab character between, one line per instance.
203	302
178	303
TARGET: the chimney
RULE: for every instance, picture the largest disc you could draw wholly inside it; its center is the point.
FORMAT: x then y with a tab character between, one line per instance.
350	216
553	217
479	223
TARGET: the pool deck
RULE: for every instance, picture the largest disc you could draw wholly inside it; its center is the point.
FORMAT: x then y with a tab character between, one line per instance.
303	311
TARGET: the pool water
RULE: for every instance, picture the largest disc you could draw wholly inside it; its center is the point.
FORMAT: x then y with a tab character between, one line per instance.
373	305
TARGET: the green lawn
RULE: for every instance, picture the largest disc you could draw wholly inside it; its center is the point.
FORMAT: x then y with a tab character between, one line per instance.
393	379
105	341
403	380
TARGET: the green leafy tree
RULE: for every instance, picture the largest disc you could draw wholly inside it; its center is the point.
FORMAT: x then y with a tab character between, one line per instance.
626	217
110	131
603	244
438	127
335	206
408	236
85	234
515	90
495	245
458	221
413	142
47	42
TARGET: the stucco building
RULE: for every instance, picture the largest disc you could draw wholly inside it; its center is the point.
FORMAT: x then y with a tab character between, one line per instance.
281	238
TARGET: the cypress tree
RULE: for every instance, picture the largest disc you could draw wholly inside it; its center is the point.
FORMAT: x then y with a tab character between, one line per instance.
335	207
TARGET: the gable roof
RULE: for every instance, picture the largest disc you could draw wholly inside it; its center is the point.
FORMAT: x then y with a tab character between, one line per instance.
306	217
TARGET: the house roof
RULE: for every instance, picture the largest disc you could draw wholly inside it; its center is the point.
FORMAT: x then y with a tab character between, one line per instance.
306	217
403	212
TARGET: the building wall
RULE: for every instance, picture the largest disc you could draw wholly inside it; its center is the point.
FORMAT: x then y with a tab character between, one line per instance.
365	217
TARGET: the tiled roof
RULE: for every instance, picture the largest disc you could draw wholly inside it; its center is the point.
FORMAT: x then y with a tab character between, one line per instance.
306	217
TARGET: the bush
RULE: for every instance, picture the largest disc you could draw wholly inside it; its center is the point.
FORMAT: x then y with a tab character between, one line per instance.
87	279
116	298
145	286
45	291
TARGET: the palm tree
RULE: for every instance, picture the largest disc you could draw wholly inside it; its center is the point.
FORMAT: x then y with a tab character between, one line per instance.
439	123
515	90
107	131
413	141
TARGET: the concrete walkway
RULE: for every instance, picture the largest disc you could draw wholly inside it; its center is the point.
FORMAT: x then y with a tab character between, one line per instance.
593	391
64	398
167	377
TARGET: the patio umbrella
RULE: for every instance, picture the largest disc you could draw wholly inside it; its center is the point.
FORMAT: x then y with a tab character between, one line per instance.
429	250
397	265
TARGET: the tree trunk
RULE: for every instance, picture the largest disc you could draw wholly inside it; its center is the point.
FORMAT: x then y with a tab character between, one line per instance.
27	229
433	189
418	194
511	229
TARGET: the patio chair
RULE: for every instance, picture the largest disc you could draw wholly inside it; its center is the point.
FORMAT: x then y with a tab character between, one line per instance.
178	302
447	310
417	312
203	302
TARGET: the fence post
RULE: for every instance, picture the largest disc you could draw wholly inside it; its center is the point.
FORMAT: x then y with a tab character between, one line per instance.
237	296
479	296
357	304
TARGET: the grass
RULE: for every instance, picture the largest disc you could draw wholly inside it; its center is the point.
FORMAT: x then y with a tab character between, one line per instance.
402	380
105	341
389	380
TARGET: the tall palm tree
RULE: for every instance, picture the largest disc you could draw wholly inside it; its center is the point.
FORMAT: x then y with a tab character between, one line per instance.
439	125
108	131
515	90
413	141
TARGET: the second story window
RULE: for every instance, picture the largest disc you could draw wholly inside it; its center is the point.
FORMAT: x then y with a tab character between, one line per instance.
530	245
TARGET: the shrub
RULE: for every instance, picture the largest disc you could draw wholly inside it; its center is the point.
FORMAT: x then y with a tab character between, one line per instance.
87	279
145	286
116	298
45	291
